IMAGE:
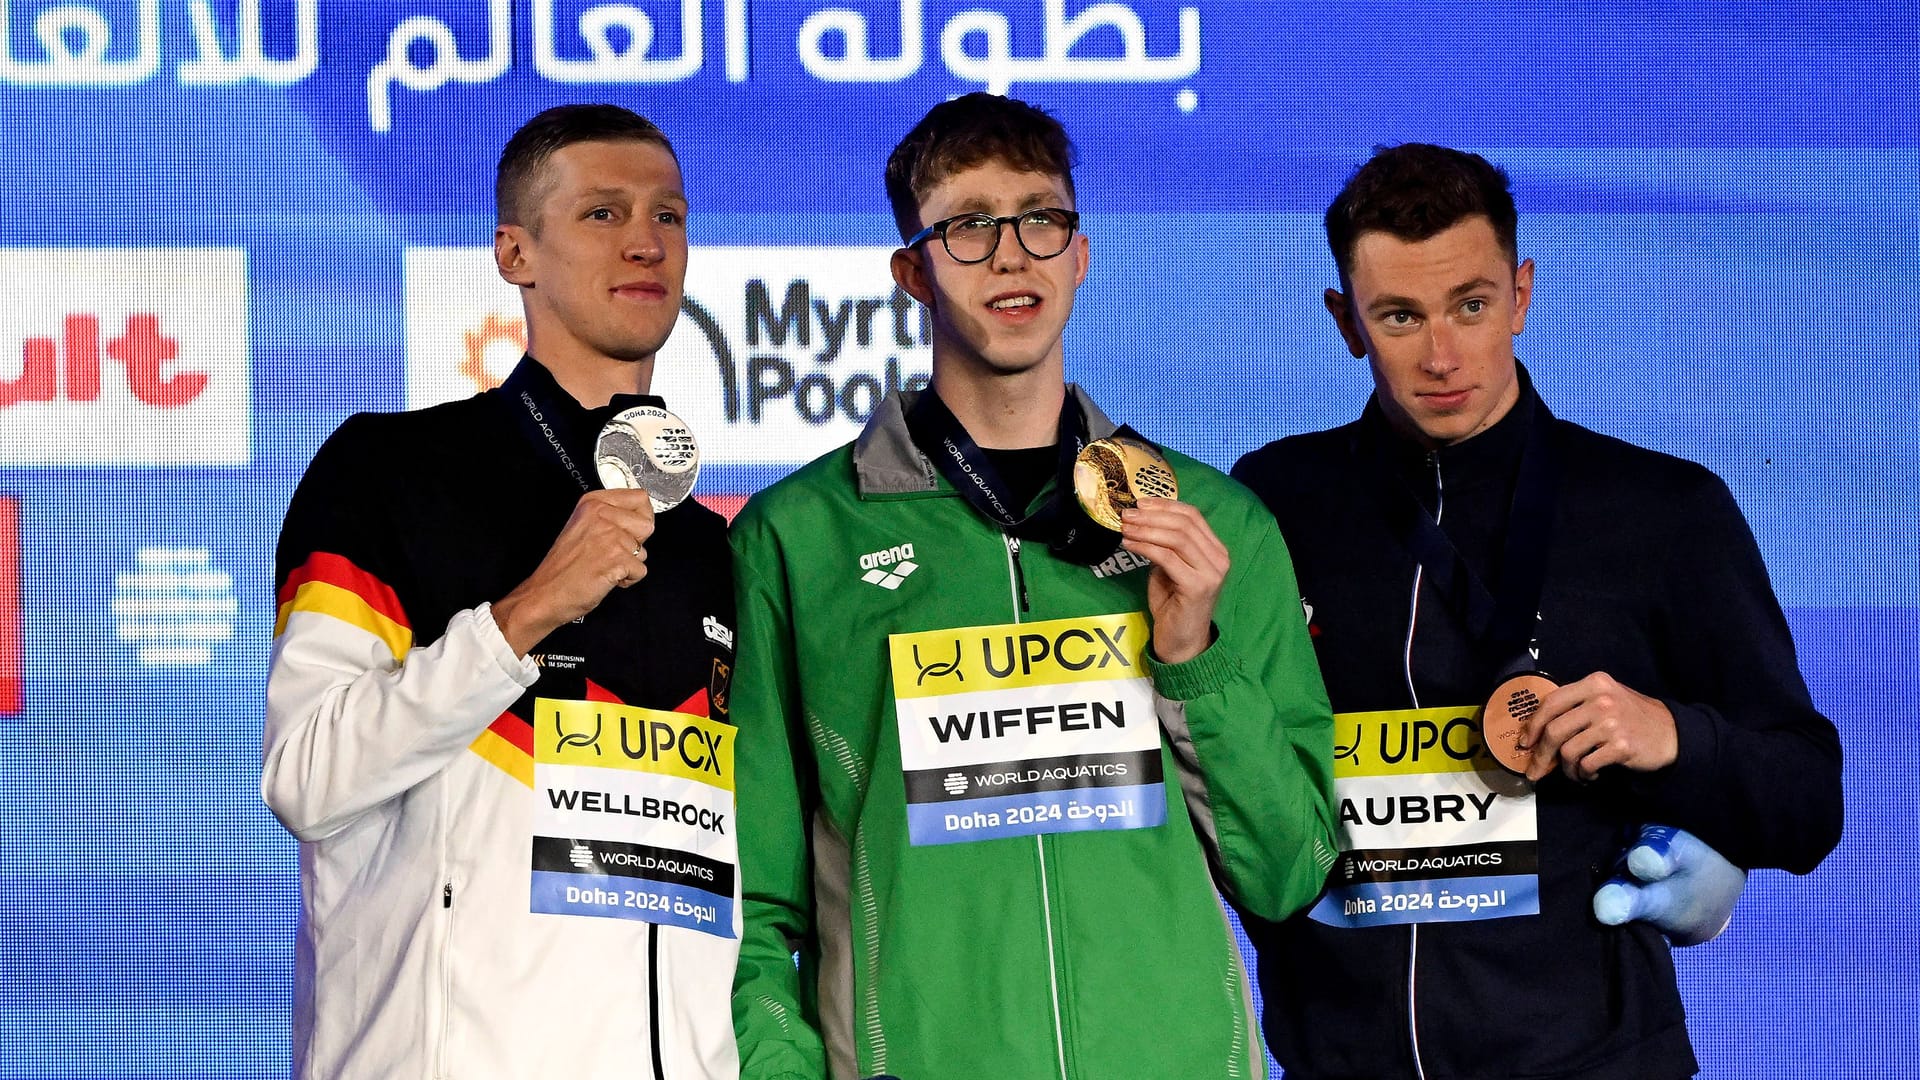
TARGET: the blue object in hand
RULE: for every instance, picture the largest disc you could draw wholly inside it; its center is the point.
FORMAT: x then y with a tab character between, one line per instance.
1673	880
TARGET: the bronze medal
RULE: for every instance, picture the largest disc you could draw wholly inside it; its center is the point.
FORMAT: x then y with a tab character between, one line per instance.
648	447
1115	473
1505	718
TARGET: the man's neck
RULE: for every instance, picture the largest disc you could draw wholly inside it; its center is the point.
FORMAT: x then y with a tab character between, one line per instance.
1006	412
593	381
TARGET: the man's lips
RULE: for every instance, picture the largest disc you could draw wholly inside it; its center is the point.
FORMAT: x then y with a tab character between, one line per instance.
1450	399
641	290
1015	301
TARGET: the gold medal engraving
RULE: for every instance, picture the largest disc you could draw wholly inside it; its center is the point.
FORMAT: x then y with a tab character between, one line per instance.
1115	473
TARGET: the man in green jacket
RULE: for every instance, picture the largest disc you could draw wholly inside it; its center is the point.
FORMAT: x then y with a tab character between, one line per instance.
994	757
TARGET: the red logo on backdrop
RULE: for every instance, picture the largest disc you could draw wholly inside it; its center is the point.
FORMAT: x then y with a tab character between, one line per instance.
10	635
141	350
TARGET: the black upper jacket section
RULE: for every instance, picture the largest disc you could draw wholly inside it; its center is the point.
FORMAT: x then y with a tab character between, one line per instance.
1653	577
455	505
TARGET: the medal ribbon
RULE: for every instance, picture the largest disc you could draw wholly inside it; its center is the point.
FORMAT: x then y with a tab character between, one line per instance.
1502	623
1059	522
549	417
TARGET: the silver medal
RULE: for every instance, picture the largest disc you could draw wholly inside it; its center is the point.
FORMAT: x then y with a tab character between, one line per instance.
648	447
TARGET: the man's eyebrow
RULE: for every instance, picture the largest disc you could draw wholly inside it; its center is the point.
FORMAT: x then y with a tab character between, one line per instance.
616	192
1391	302
1033	200
1394	302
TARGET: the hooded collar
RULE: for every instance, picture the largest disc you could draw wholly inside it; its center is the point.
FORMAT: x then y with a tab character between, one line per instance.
886	461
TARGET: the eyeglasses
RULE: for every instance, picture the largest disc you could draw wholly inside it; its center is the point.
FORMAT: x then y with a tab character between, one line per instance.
973	238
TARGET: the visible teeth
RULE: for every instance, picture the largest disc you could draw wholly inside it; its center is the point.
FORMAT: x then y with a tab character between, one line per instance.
1013	302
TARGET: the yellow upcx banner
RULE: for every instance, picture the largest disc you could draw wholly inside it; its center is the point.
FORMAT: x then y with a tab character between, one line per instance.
612	736
1012	656
1400	742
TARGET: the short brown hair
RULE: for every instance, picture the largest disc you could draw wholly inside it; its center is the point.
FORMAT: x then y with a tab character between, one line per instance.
970	131
1416	191
524	160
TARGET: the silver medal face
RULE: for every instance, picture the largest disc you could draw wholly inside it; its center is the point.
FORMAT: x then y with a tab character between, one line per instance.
648	447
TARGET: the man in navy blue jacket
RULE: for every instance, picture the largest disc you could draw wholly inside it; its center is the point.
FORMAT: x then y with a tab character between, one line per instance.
1456	535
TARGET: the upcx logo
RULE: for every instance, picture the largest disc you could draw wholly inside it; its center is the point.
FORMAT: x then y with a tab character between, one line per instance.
12	692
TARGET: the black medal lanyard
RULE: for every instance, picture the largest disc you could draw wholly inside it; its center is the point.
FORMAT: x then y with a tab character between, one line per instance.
543	420
1502	624
1059	522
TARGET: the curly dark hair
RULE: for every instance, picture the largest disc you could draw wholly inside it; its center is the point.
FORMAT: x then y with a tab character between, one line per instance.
1415	191
968	131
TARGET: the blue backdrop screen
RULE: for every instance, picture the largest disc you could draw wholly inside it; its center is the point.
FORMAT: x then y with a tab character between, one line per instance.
229	224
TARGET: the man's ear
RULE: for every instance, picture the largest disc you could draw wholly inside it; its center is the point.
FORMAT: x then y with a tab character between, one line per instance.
510	255
1341	309
910	273
1522	294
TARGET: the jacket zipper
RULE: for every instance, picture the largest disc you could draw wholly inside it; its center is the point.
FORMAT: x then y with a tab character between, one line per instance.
446	939
1018	583
1413	929
653	998
1019	576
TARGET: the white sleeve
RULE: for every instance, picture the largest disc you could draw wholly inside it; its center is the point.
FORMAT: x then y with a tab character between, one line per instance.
350	724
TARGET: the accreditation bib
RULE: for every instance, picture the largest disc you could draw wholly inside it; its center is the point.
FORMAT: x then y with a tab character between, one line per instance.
633	815
1027	728
1431	828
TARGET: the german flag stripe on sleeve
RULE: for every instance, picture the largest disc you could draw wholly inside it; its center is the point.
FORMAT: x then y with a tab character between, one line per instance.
330	584
508	745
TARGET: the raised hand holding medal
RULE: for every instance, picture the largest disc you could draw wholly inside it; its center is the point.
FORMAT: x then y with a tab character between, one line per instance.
1128	486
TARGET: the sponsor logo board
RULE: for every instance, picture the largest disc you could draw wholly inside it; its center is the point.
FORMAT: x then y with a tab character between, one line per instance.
780	355
126	356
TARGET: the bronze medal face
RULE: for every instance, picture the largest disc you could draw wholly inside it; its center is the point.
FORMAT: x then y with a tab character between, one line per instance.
1115	473
648	447
1505	718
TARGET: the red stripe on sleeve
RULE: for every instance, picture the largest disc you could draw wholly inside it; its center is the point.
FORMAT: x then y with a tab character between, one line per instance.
340	572
514	730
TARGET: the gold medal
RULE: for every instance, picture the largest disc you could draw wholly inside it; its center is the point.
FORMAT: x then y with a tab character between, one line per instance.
1115	473
650	448
1504	719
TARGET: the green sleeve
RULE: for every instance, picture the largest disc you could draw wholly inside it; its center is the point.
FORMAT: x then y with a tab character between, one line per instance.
774	1014
1252	735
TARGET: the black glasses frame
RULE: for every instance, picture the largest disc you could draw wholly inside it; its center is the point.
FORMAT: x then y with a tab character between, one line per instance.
939	228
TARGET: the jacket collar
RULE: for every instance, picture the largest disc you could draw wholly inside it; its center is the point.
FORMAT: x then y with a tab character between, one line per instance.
1493	453
886	462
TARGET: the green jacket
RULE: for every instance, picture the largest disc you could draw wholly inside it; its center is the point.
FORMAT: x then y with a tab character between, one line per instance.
1073	955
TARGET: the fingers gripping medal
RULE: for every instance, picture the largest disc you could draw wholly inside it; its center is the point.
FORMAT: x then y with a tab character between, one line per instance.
648	447
1504	719
1115	473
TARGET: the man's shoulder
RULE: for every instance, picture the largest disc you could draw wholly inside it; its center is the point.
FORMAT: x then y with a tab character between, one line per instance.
1595	458
802	495
1227	503
1305	446
389	434
1294	464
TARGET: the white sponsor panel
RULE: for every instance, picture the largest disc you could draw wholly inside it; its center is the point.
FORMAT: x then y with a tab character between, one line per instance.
124	356
634	807
1027	723
1437	809
780	354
